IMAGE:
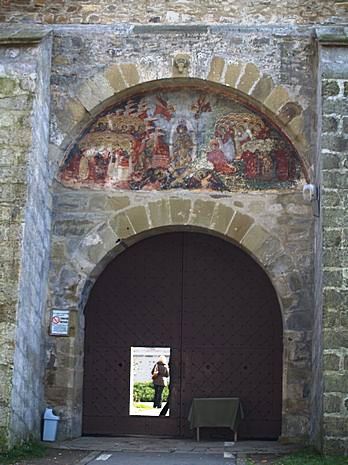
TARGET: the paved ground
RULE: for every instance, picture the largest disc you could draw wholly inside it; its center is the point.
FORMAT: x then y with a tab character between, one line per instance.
167	451
148	458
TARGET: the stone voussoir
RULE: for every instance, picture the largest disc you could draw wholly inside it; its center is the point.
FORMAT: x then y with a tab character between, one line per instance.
249	78
94	91
160	213
221	218
263	88
232	74
130	73
139	219
180	210
239	226
278	97
216	69
122	226
202	212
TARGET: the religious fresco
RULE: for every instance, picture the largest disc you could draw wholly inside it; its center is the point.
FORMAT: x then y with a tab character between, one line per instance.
181	139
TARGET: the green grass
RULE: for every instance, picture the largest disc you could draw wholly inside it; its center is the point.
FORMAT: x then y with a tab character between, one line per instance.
142	406
28	450
308	457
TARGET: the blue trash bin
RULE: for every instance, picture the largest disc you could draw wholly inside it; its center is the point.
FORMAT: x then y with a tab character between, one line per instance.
50	425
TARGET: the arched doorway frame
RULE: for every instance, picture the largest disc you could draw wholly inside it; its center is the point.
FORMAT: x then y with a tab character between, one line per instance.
142	217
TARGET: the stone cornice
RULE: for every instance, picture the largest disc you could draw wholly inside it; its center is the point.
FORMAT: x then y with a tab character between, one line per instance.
332	35
23	35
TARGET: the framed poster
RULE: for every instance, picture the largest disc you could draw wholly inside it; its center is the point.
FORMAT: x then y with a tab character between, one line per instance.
59	325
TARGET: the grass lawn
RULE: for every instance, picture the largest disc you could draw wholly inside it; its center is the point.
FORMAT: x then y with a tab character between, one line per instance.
305	457
26	451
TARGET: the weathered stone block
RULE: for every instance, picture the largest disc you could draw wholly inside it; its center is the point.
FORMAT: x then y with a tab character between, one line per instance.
335	339
335	426
130	74
277	98
232	74
297	124
180	210
336	382
335	298
115	78
122	226
249	77
329	124
331	362
334	143
138	218
202	212
263	88
289	111
332	237
221	218
8	86
335	180
330	88
335	106
116	203
255	238
160	213
330	161
73	227
332	403
216	69
94	91
239	226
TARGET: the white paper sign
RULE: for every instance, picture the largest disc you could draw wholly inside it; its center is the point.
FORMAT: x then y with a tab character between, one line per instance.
60	323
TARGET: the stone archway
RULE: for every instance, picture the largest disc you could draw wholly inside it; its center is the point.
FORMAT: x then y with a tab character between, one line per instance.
81	267
212	305
93	226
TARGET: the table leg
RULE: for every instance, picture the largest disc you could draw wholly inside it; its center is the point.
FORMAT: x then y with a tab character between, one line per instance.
197	433
235	436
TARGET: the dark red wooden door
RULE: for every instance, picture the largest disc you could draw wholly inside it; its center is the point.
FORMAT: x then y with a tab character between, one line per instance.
212	305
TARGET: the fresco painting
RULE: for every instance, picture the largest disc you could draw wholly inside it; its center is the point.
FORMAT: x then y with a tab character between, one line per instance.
181	140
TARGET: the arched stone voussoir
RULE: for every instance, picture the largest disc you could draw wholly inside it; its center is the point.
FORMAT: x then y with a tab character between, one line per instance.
221	218
104	85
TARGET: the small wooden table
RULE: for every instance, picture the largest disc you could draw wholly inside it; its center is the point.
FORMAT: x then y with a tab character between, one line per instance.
216	412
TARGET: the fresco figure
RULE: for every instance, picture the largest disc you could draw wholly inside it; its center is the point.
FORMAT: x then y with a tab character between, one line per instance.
182	147
157	141
160	153
217	157
265	165
83	165
250	164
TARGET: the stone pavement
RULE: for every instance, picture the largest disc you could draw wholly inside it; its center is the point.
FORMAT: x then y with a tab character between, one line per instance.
142	450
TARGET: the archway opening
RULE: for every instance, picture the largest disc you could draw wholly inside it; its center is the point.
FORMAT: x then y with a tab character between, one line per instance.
217	311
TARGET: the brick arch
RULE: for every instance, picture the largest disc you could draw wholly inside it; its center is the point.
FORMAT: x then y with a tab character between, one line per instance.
245	80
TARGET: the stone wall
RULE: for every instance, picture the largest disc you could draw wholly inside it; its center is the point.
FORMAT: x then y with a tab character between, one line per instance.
334	164
25	232
91	227
174	11
92	67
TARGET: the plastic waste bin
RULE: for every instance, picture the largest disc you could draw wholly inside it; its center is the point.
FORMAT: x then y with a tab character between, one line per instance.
50	425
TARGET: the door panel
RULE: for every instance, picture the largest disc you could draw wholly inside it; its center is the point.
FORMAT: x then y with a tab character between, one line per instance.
212	305
231	339
135	302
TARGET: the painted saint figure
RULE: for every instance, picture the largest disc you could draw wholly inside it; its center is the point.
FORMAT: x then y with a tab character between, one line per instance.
182	147
217	157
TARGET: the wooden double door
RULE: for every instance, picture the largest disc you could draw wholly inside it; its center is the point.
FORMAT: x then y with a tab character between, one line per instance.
217	311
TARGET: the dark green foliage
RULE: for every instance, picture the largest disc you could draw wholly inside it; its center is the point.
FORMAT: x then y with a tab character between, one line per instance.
144	392
28	450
